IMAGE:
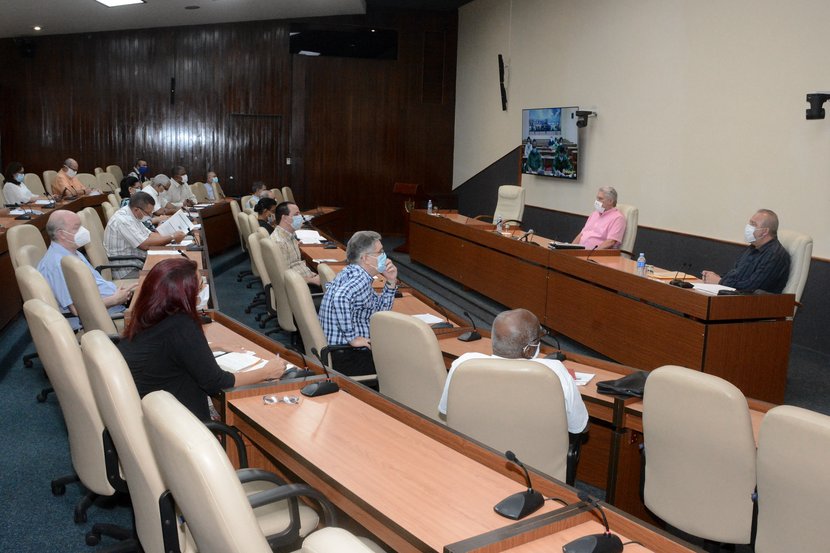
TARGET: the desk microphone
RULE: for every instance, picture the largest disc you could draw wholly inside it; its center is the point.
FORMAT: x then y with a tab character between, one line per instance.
24	216
526	236
557	355
471	336
321	388
595	543
592	253
681	283
297	372
444	324
521	504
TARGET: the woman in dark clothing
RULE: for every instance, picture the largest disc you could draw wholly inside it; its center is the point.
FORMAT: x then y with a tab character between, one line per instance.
265	209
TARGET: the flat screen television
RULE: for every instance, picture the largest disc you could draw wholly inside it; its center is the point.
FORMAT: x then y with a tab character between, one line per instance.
551	142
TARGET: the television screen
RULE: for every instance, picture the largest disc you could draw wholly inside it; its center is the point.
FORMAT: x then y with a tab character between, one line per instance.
551	143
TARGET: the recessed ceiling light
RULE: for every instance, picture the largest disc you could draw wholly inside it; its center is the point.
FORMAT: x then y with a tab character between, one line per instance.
116	3
37	28
191	7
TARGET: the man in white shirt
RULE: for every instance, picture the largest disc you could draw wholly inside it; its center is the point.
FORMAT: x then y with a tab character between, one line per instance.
157	189
517	335
179	193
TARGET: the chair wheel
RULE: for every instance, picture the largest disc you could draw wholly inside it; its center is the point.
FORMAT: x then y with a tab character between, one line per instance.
41	397
93	539
28	363
80	518
58	489
247	310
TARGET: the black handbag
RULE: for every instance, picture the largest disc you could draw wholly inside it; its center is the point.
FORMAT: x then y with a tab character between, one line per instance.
631	385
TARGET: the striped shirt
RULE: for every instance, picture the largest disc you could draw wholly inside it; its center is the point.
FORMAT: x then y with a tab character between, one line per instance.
287	243
349	303
122	236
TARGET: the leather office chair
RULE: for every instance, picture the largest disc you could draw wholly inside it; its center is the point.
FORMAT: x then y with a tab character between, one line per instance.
109	211
34	184
87	299
120	407
25	235
276	267
793	447
510	204
107	182
2	197
49	177
518	405
114	199
800	248
326	273
288	194
699	455
97	254
218	515
244	203
267	297
89	180
91	220
218	193
276	193
337	540
235	211
198	189
116	172
632	217
93	459
408	361
244	223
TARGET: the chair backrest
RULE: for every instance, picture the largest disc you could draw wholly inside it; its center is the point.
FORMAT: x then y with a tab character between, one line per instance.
33	183
189	458
632	217
244	202
22	235
98	171
511	203
299	297
326	274
120	408
235	211
800	248
408	361
219	194
107	182
511	404
793	446
700	454
109	211
198	189
33	285
253	222
276	193
2	197
114	199
335	540
60	354
29	255
255	252
49	177
85	296
288	194
276	266
95	251
116	172
88	179
245	230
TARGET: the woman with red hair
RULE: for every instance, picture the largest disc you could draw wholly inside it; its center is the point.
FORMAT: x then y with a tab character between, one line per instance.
165	347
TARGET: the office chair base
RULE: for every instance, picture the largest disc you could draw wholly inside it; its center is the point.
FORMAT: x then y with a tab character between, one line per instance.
27	360
242	274
44	393
83	506
93	537
59	484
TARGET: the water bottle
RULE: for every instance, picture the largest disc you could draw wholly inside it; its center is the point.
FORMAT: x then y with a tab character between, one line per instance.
641	265
499	224
429	207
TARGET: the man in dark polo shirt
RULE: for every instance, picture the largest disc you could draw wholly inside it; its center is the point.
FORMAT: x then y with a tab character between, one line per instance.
764	265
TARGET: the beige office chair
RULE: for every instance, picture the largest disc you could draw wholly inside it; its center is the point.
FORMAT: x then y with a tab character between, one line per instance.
33	285
89	180
205	486
511	203
2	197
219	194
793	447
116	172
276	267
87	299
516	405
49	177
326	274
235	211
98	171
699	454
198	189
408	361
267	297
91	220
34	184
107	182
800	248
114	200
23	235
276	193
28	255
61	357
244	202
244	223
97	254
120	407
632	216
109	211
288	194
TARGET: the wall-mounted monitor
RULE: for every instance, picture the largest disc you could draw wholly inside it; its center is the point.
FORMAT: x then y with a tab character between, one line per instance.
550	142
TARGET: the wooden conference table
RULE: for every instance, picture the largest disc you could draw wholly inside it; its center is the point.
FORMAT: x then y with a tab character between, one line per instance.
601	303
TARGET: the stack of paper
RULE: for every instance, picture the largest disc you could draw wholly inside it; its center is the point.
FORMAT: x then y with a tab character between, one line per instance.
711	289
309	236
236	361
25	212
429	318
581	379
177	222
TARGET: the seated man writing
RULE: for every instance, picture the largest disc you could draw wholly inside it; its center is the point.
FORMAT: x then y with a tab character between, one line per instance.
605	227
517	335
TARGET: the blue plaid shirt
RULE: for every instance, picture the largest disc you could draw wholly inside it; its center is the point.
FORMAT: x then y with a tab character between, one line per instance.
348	304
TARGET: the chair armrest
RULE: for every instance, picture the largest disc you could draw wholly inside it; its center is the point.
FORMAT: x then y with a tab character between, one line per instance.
512	221
324	353
483	217
99	268
253	475
574	448
224	431
289	491
126	258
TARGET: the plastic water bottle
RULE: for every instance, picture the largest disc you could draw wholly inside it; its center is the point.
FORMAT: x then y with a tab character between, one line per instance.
499	224
429	207
641	265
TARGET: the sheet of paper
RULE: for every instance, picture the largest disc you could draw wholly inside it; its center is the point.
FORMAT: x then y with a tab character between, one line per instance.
177	222
162	252
671	275
236	361
43	202
186	242
429	318
581	379
309	236
19	211
325	260
711	289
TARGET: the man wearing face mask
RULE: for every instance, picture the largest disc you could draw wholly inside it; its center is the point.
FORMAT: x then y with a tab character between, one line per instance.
157	189
178	193
67	235
288	219
606	225
350	301
258	191
66	183
517	335
140	171
126	234
764	265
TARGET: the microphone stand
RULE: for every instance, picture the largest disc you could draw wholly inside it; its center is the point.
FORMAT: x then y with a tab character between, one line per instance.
297	372
521	504
471	336
325	387
595	543
443	324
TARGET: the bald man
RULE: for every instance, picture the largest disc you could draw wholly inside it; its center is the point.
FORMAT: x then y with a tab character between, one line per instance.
66	183
518	335
67	235
764	265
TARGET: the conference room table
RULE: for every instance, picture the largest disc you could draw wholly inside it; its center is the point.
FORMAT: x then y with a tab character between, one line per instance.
597	299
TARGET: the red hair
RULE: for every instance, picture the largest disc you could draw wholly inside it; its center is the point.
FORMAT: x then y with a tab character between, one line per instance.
171	287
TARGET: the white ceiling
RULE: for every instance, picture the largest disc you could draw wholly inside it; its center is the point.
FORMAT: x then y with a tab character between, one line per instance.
59	17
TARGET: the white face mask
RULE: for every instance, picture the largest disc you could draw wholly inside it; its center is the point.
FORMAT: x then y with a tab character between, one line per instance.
71	172
749	233
204	296
81	237
184	179
598	206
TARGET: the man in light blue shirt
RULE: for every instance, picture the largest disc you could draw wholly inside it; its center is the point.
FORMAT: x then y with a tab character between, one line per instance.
67	235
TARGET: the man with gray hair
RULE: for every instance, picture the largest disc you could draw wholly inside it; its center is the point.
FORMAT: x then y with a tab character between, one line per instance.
518	335
606	225
67	235
350	301
764	265
156	188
